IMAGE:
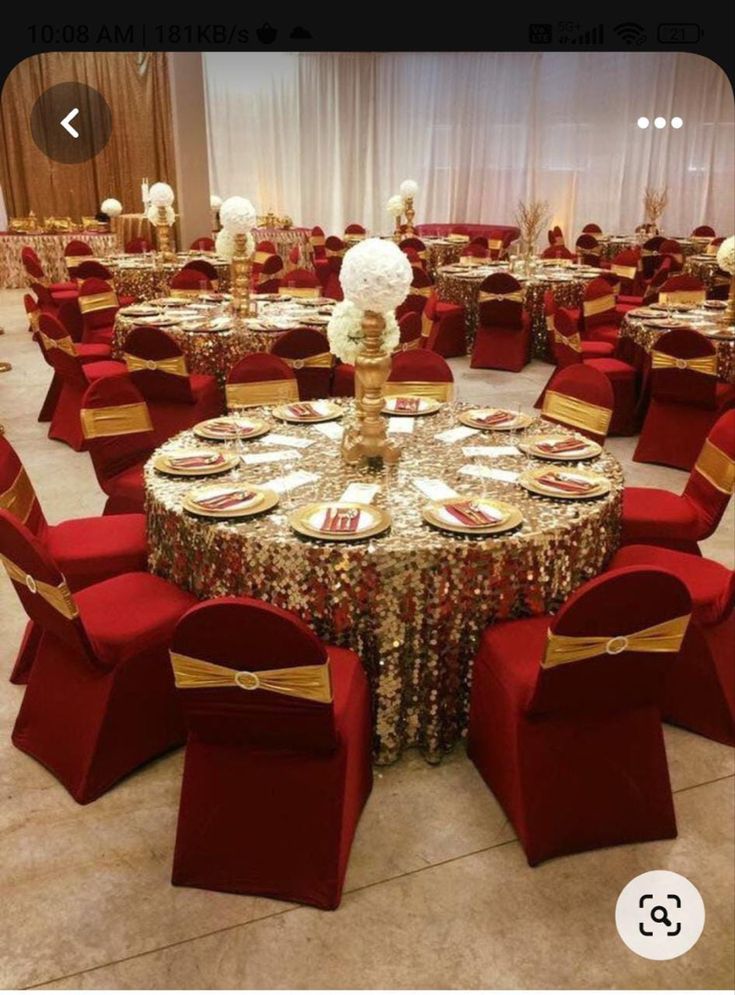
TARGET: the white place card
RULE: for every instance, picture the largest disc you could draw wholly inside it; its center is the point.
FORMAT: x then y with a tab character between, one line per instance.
278	457
401	425
455	434
281	485
274	439
489	473
331	429
360	493
433	488
491	451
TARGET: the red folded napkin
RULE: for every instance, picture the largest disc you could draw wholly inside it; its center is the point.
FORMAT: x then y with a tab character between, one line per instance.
338	520
193	462
497	418
563	446
469	516
568	486
221	502
407	404
228	428
305	410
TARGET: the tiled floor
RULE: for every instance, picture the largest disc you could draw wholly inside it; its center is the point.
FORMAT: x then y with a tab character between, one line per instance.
438	892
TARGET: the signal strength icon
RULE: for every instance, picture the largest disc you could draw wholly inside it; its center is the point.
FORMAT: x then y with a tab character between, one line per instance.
593	36
631	33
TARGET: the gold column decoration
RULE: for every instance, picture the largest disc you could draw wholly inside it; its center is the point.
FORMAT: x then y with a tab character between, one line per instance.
163	235
368	441
240	269
398	235
410	214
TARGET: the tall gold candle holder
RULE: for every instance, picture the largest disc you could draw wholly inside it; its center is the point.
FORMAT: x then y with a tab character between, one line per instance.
730	306
397	233
368	441
240	270
163	235
410	215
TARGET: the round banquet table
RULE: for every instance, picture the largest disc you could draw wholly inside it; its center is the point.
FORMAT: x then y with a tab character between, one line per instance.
461	285
442	252
413	602
611	245
643	327
144	275
50	250
704	268
211	336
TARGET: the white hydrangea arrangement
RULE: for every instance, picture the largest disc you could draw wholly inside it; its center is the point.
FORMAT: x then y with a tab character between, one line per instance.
409	188
111	207
224	244
161	195
726	255
152	215
237	215
395	205
344	331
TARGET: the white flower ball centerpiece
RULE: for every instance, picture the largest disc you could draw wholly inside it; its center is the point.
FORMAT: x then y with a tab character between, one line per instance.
113	209
394	207
237	217
375	278
409	189
161	215
726	262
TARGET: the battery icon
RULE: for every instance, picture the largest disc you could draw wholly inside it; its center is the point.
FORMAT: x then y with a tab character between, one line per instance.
679	34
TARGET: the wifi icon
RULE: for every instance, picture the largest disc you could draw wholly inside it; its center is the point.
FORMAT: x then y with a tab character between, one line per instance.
631	33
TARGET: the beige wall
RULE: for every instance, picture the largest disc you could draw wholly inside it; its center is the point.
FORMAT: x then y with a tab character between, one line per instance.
190	145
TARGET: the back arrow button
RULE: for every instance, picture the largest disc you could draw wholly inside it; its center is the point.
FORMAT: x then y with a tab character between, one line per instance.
67	126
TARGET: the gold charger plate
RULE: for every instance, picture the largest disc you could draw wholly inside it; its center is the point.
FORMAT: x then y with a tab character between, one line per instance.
204	431
264	500
328	411
427	406
519	421
513	517
529	480
302	521
225	462
587	449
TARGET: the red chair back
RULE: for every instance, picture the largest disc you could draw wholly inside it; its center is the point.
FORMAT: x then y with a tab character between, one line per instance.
658	279
268	280
626	265
71	318
261	378
682	289
33	312
592	229
74	253
703	231
474	251
670	247
557	252
17	495
248	637
117	425
316	240
204	244
712	480
98	304
266	248
204	267
599	624
598	305
189	282
306	351
300	283
565	342
500	301
420	372
355	229
684	369
420	291
43	295
157	366
41	586
59	350
581	398
416	247
92	270
138	245
410	331
588	250
32	264
480	240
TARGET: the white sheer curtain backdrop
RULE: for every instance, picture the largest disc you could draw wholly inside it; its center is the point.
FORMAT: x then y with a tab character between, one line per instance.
327	137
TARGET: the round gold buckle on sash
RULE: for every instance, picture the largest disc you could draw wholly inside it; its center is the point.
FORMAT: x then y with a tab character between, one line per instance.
618	644
247	680
31	584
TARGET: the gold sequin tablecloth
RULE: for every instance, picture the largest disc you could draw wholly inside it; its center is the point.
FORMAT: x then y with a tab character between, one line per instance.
704	268
144	276
50	250
611	245
442	252
412	603
461	284
640	332
217	351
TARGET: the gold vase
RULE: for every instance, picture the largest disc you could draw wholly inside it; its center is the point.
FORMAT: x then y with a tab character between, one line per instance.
368	441
397	233
240	269
410	214
163	235
730	308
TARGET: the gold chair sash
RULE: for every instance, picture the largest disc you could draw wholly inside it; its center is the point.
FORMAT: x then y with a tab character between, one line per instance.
73	261
698	364
317	240
310	683
59	597
420	291
258	392
33	317
267	277
496	243
64	343
299	291
716	467
591	308
711	250
19	497
627	272
473	260
186	292
515	295
411	344
438	390
260	257
335	252
578	414
588	252
98	302
665	637
176	365
321	359
119	419
427	325
682	296
573	341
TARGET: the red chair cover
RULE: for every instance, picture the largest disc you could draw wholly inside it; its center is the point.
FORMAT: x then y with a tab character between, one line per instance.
658	517
306	352
101	670
121	443
34	271
73	251
415	249
410	331
354	229
703	231
205	268
686	399
300	279
476	251
682	289
269	274
92	270
267	247
444	327
600	321
273	785
588	250
671	248
557	252
137	245
592	229
190	281
503	336
418	367
260	370
98	304
581	398
316	240
33	310
700	685
574	752
204	244
418	295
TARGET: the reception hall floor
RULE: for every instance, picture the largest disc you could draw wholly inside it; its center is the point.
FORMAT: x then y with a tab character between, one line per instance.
438	892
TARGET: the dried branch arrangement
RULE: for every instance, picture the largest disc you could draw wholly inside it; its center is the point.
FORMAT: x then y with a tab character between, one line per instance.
531	218
654	202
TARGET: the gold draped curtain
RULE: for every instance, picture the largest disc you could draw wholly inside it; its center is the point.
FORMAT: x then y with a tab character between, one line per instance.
135	85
